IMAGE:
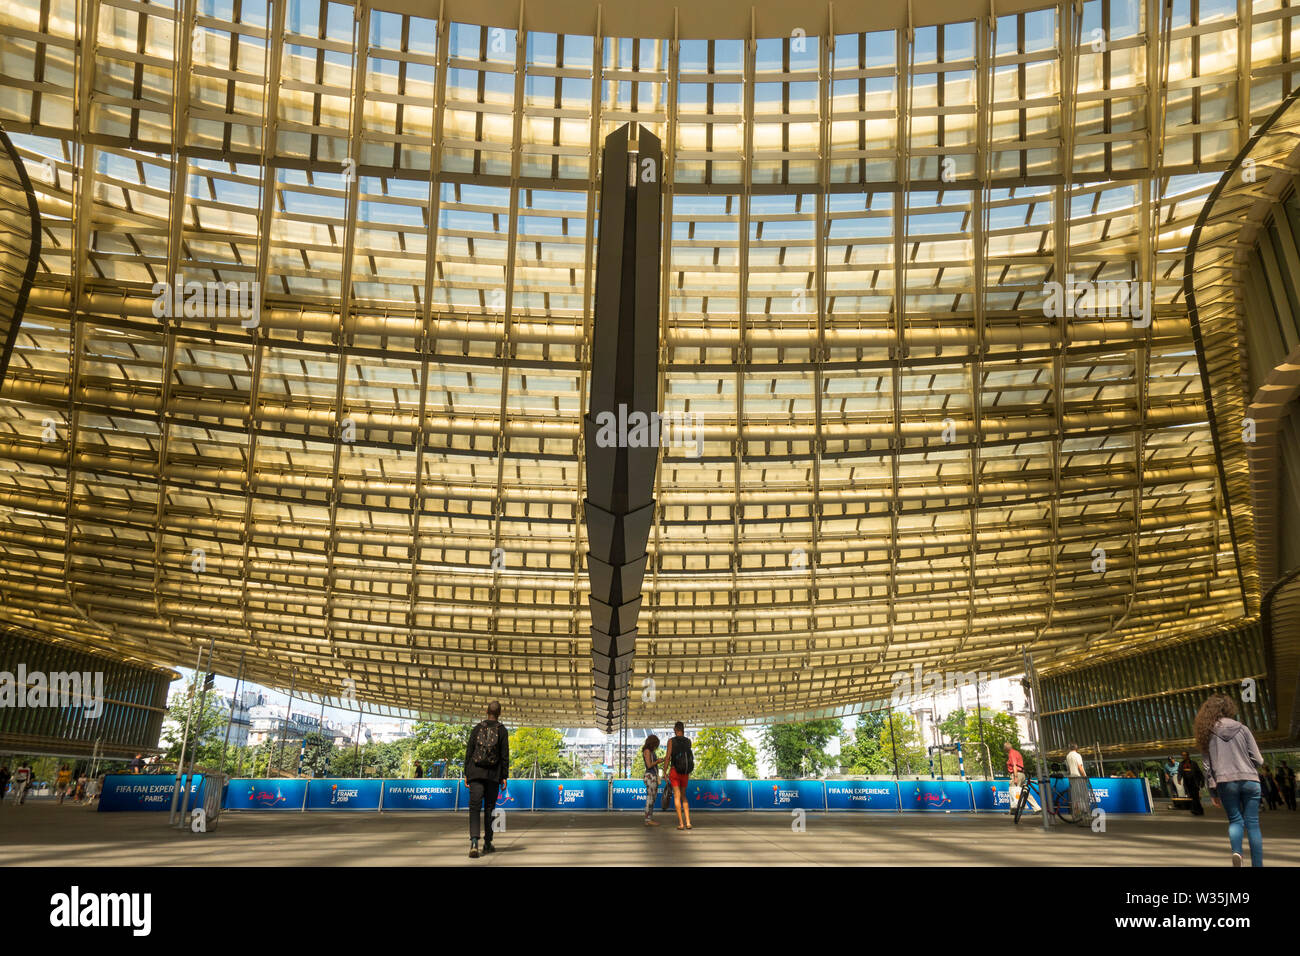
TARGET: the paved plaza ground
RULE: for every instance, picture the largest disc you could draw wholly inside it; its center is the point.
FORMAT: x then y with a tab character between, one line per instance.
43	834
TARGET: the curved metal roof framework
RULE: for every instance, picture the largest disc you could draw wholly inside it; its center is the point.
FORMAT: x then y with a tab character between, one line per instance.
904	460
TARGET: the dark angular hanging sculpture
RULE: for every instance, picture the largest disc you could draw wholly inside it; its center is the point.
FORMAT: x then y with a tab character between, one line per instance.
20	246
624	385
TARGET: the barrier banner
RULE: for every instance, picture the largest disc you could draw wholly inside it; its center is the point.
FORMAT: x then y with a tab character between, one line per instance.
1120	794
787	795
946	795
877	795
518	796
343	794
991	795
571	795
420	794
718	794
630	794
1114	794
247	794
146	791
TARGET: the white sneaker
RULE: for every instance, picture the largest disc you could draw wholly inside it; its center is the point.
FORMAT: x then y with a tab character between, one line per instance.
1236	859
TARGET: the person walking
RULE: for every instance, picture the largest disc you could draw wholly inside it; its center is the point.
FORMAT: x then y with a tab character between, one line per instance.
1268	784
1232	759
4	780
1286	781
1080	795
681	761
651	776
61	783
22	780
418	772
1191	777
1171	777
487	767
1019	780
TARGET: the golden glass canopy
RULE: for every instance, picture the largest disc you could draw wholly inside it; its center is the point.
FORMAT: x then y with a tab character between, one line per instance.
372	476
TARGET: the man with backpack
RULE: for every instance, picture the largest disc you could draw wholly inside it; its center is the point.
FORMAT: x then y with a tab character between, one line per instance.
487	766
681	761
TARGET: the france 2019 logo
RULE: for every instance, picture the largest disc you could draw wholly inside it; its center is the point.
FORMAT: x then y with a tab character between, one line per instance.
568	797
340	797
782	797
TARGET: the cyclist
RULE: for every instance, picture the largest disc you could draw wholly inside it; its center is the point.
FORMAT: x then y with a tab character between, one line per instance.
1019	781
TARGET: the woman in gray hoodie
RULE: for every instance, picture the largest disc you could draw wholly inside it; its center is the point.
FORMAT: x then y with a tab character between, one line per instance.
1232	760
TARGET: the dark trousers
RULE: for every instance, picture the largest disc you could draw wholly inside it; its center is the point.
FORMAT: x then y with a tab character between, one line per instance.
1194	794
482	793
1288	794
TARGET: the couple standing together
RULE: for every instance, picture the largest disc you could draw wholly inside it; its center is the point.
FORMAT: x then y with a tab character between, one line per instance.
680	762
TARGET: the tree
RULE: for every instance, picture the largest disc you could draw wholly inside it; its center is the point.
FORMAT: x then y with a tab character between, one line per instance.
347	761
371	759
207	729
900	744
317	752
799	749
866	755
719	748
998	728
434	741
543	744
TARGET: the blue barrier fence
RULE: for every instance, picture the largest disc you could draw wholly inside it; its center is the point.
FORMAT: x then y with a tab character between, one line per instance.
153	792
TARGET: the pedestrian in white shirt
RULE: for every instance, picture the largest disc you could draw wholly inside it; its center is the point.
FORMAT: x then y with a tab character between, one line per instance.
1080	799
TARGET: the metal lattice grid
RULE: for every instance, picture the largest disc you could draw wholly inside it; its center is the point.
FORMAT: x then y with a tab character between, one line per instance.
383	476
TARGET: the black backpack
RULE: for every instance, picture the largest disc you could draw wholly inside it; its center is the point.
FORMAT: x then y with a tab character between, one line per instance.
683	756
487	745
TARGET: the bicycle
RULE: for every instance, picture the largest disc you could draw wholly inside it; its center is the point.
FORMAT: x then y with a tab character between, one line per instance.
1061	804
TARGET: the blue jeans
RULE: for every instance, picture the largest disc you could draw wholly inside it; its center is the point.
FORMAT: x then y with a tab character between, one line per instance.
1240	799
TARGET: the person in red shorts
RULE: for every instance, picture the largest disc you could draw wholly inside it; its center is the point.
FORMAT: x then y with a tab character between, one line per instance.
681	761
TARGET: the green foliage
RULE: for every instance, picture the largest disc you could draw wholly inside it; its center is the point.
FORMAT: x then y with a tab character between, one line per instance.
636	765
270	756
543	744
965	727
317	752
865	754
799	749
207	728
719	748
46	769
434	741
239	760
899	744
371	760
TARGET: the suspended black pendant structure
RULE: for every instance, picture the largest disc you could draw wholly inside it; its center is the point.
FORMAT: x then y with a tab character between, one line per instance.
624	389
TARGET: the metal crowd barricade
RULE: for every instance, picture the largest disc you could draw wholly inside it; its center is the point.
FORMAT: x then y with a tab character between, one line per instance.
214	790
